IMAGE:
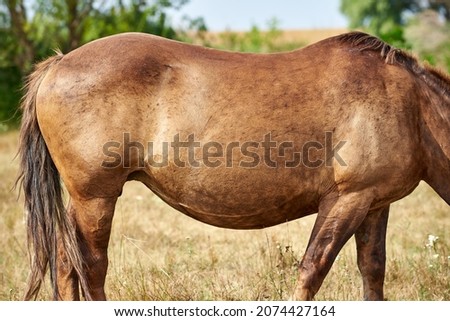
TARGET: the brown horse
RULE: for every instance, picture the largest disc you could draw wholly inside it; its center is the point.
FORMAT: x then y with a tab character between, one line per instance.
343	127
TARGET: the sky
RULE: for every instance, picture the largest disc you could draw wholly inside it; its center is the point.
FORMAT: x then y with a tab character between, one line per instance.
222	15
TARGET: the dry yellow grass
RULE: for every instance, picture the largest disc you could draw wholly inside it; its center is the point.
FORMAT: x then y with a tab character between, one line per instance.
262	41
308	36
305	36
157	253
286	36
281	40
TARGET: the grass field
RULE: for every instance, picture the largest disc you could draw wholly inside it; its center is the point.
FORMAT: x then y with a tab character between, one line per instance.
261	41
306	36
157	253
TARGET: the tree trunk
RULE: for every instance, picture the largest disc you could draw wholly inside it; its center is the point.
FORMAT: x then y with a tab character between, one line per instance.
25	56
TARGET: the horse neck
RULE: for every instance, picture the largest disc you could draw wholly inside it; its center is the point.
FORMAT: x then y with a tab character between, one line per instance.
435	133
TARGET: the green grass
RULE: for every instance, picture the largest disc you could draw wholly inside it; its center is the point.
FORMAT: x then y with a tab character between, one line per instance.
157	253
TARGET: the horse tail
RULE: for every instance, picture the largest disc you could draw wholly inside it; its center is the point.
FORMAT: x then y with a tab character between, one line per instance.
43	197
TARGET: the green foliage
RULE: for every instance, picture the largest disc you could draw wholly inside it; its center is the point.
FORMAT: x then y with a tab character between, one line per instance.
256	40
383	18
138	17
31	30
10	82
94	19
9	47
418	25
252	41
429	37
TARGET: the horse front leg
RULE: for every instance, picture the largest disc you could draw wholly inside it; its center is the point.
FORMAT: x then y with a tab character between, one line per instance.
371	250
338	219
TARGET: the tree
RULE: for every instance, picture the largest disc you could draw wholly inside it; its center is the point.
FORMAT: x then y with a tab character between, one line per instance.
31	30
441	6
386	18
428	37
419	25
383	18
17	44
67	24
136	15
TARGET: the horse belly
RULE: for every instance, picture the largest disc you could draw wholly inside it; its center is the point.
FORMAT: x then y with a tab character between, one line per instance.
234	198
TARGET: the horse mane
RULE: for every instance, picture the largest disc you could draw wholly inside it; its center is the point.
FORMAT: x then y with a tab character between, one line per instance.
435	78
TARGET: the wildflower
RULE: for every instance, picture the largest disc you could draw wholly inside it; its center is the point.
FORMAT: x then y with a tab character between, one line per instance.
432	239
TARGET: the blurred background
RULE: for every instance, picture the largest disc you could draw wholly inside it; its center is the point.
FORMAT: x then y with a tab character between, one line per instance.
31	29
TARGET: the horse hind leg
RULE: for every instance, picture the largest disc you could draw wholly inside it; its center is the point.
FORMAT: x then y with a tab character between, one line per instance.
338	219
67	277
93	220
371	252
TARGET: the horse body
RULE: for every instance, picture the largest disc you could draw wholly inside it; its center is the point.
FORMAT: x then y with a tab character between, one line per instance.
220	97
138	89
